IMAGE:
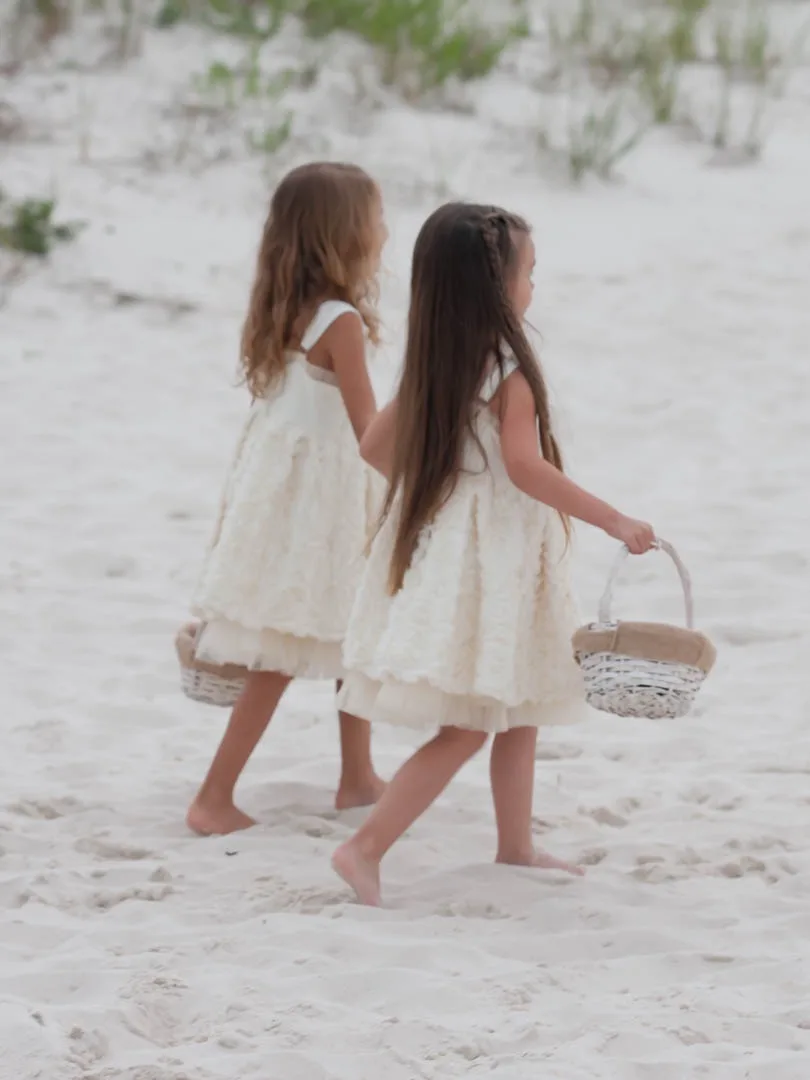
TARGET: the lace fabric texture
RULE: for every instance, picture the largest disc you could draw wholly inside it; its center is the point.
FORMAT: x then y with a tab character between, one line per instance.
278	583
479	636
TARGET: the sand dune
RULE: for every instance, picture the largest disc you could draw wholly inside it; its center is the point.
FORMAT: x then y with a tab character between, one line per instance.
675	316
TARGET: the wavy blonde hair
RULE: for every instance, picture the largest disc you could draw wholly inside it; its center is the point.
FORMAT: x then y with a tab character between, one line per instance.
318	243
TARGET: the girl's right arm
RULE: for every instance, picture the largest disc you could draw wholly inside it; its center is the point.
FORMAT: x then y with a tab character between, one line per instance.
538	478
344	341
377	444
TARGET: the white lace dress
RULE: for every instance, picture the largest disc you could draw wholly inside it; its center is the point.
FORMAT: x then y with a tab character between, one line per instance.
479	636
278	583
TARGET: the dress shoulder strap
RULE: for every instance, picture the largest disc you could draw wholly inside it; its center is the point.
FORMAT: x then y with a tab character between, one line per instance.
493	381
327	313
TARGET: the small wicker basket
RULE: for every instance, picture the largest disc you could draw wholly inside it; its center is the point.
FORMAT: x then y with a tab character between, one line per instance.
212	684
642	669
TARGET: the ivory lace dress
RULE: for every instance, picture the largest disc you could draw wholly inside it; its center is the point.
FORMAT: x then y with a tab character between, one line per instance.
479	635
278	583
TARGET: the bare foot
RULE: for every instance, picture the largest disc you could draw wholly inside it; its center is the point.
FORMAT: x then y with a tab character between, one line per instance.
361	875
350	796
216	820
542	861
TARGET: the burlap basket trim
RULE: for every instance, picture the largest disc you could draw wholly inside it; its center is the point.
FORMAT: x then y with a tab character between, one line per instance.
648	641
185	643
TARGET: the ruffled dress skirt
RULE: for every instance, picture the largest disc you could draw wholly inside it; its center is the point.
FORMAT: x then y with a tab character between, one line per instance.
479	635
279	580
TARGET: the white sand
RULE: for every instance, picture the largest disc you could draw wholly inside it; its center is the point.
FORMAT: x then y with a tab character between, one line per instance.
675	309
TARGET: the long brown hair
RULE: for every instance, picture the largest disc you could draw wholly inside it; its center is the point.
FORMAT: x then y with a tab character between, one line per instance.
460	319
317	244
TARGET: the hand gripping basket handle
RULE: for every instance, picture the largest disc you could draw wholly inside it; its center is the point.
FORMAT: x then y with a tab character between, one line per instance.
606	603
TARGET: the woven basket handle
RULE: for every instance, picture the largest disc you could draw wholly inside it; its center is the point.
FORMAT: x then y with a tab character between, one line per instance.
606	603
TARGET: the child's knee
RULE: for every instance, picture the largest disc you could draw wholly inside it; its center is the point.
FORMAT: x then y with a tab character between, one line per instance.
468	743
477	742
266	683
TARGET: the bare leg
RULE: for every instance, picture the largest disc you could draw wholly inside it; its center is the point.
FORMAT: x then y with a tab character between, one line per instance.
511	769
213	811
416	785
359	784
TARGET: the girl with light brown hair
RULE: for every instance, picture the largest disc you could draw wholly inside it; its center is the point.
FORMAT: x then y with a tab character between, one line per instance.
278	583
464	616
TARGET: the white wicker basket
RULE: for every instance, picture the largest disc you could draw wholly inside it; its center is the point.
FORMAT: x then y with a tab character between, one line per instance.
651	670
212	684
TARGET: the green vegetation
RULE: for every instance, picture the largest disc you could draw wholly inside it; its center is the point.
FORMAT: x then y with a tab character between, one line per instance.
712	65
648	53
28	227
599	140
434	39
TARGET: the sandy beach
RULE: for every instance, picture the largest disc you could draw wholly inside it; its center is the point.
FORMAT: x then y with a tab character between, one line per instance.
674	308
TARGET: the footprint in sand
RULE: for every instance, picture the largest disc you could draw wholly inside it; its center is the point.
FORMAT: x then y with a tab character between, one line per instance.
271	893
656	873
742	867
560	752
469	909
593	857
603	816
319	830
87	1048
148	1072
46	811
105	901
690	1037
104	849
